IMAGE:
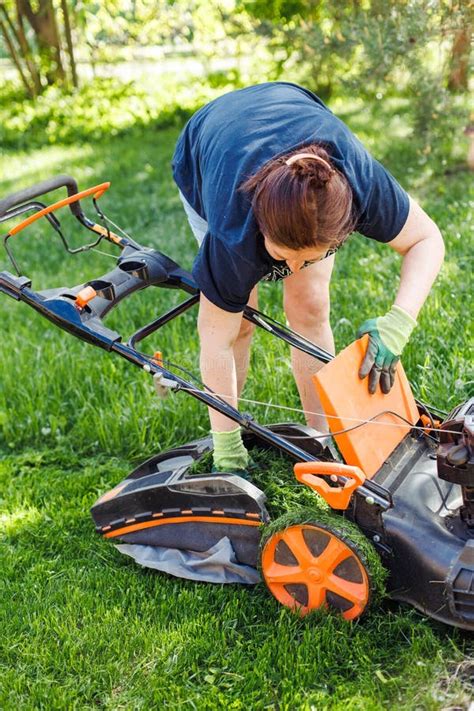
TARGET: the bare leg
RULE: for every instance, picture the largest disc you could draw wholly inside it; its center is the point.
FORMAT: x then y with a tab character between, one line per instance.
242	344
305	366
306	300
225	338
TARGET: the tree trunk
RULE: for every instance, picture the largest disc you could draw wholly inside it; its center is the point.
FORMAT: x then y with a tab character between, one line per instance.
26	52
70	48
459	64
15	58
45	28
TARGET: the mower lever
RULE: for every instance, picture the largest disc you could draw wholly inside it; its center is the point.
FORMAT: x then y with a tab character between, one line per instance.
338	497
163	385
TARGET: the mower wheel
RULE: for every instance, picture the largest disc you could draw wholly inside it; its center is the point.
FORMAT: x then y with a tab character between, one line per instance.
309	566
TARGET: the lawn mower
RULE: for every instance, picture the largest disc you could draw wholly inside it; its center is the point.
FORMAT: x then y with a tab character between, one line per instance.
395	471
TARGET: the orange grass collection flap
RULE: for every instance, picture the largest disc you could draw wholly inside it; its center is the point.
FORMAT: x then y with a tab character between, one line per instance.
346	401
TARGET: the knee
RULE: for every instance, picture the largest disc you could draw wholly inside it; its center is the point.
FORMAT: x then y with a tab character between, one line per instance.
307	310
246	329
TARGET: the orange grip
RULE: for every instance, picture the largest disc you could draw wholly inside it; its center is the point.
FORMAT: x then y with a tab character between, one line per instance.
85	295
429	425
97	191
338	497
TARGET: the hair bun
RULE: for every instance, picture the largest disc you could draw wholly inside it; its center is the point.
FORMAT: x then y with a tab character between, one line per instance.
312	166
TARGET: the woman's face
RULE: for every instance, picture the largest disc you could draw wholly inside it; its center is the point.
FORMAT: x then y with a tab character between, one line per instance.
295	258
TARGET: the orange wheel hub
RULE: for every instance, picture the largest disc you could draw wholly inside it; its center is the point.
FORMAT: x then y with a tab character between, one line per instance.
307	567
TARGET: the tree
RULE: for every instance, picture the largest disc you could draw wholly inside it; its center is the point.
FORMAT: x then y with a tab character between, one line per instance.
70	47
459	61
371	48
32	38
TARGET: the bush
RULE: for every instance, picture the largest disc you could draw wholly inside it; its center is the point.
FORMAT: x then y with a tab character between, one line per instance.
100	109
376	50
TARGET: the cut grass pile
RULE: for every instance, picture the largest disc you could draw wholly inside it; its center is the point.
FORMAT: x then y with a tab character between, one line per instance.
83	626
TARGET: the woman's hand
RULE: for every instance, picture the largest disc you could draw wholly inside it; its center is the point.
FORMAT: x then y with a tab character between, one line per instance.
388	336
421	245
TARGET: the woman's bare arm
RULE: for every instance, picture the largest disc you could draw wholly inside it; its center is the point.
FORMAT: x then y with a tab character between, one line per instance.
421	245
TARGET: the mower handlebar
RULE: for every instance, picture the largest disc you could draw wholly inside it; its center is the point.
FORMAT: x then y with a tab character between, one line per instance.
34	191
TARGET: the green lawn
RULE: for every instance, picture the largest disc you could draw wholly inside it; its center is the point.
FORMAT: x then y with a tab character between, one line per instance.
84	627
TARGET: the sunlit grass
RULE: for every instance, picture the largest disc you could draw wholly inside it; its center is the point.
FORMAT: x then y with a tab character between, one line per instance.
82	626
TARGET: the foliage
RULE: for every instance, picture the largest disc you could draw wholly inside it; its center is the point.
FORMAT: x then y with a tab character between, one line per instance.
144	23
34	34
100	110
373	49
106	31
418	49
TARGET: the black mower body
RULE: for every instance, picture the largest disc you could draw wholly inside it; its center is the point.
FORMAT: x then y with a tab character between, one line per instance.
429	554
427	549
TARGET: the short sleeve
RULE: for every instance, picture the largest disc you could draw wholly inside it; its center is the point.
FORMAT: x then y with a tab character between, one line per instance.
385	209
223	276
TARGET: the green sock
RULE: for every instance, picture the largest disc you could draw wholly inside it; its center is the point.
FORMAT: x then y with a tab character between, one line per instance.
229	451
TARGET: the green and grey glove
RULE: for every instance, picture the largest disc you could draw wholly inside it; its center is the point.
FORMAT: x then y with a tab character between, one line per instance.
230	454
388	335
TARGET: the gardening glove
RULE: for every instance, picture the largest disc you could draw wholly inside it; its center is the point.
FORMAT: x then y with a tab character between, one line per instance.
388	336
230	454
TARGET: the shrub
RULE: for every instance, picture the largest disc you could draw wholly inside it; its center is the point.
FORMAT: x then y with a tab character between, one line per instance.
100	109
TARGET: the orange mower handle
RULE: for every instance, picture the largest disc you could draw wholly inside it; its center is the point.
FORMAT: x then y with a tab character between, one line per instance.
97	191
338	497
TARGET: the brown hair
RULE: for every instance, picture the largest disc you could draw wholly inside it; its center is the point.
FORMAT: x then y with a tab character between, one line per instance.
305	204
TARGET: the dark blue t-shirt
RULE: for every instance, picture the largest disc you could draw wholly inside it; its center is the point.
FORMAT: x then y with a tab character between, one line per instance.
230	139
